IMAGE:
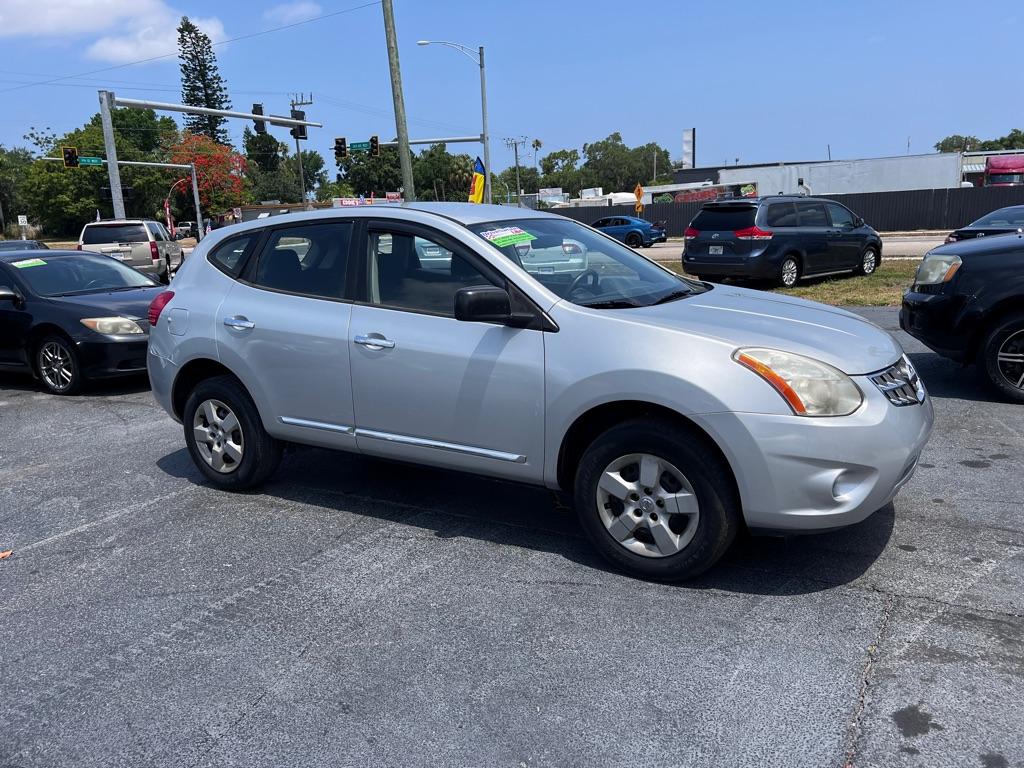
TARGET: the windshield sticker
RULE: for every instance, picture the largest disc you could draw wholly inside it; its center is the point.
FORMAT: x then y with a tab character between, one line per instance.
507	236
28	263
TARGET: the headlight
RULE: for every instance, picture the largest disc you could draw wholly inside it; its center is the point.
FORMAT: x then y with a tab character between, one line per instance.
937	268
112	326
810	387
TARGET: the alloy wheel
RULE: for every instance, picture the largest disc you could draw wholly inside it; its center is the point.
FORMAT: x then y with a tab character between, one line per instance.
1010	359
869	262
647	505
218	436
56	366
790	271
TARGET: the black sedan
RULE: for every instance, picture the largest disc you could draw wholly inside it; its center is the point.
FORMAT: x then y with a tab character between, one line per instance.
1001	222
68	316
23	245
967	304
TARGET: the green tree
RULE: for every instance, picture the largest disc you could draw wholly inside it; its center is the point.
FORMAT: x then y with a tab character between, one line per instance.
313	169
262	151
146	131
561	169
957	143
377	175
201	83
505	182
14	165
331	189
440	175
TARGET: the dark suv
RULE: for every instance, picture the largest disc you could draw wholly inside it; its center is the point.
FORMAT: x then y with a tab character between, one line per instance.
781	238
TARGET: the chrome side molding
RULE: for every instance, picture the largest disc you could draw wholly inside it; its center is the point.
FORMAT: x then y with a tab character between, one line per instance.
421	442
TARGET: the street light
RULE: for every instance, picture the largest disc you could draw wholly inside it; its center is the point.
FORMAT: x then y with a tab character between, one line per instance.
478	57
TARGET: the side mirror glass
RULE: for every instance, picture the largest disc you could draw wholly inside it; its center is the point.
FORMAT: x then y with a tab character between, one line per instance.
9	294
483	303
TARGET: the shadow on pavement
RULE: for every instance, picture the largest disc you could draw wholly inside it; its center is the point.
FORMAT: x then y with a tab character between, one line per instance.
944	378
454	504
124	385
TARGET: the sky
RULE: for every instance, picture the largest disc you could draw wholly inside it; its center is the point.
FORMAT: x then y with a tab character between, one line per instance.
761	82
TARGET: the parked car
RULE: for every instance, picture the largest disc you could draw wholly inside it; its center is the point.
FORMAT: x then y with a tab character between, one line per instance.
674	411
781	238
140	243
634	232
184	229
67	316
999	222
23	245
967	304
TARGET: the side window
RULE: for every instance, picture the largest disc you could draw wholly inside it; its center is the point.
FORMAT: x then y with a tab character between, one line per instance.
600	223
154	230
841	217
229	256
407	272
310	259
812	215
781	215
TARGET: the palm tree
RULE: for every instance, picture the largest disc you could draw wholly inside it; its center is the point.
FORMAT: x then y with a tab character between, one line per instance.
536	144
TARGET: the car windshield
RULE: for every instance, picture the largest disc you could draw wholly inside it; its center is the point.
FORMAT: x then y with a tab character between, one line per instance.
82	273
22	245
583	266
1010	218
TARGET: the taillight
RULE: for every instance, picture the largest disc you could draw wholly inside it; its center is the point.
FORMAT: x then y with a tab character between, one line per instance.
951	237
158	306
571	249
154	251
690	233
753	233
78	247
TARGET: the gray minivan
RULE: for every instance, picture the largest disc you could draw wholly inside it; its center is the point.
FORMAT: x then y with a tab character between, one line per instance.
780	238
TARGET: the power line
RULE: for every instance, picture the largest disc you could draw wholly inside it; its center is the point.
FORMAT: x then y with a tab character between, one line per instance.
175	53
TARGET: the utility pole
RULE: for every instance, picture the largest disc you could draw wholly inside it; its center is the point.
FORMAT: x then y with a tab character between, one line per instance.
654	179
300	101
113	170
513	144
401	128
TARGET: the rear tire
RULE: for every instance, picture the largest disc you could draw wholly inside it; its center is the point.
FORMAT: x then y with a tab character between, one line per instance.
869	261
680	523
1002	357
225	435
789	272
633	240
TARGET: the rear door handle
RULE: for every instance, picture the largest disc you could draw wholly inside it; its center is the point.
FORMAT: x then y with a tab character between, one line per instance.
374	342
239	322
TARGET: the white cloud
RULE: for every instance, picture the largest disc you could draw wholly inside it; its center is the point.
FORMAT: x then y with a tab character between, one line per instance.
130	29
147	36
289	13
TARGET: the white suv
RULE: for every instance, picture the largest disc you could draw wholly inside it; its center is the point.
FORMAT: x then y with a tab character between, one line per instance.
141	243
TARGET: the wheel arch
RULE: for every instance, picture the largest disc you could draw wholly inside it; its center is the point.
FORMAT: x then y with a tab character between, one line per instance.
36	335
193	372
999	311
600	418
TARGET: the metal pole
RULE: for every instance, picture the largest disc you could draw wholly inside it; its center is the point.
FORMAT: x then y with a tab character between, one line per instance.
302	178
113	171
188	109
404	153
195	197
486	135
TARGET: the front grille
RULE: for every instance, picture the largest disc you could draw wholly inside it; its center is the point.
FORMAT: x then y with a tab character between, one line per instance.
900	383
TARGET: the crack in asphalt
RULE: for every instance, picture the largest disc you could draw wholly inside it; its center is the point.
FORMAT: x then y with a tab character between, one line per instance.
853	729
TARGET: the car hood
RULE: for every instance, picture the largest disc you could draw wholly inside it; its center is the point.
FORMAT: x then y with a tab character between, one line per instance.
747	318
132	304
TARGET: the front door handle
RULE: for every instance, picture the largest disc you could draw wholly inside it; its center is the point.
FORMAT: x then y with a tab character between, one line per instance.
238	322
374	342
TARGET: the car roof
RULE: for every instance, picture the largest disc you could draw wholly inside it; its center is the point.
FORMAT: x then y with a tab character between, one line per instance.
755	201
33	253
102	222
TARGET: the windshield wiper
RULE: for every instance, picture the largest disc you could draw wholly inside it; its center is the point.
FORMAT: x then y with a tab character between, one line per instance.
673	296
612	304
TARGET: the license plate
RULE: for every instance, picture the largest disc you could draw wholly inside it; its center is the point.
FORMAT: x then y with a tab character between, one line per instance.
716	250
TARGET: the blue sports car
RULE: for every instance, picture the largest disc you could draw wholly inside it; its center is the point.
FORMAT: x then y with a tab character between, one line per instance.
634	232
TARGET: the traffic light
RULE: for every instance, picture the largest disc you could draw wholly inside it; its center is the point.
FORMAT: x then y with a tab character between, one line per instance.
340	148
260	125
299	131
70	156
374	147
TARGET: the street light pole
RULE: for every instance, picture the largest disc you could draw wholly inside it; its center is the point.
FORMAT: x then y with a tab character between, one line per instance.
485	137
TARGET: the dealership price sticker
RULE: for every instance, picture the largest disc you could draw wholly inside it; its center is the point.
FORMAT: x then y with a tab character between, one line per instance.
28	263
507	236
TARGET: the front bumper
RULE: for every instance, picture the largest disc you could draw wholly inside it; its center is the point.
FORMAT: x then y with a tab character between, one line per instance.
932	318
813	474
105	358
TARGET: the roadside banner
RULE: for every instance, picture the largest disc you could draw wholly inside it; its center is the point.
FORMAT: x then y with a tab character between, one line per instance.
476	186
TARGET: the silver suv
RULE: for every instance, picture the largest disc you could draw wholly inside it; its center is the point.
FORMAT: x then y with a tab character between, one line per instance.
673	411
141	243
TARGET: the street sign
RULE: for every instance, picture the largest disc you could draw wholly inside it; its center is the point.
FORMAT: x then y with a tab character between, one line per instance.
22	220
359	146
90	160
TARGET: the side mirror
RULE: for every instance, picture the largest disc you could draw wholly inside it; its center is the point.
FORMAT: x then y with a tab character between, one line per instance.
9	294
483	303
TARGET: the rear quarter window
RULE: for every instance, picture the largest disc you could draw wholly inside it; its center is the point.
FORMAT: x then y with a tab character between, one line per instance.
781	215
230	255
724	218
114	233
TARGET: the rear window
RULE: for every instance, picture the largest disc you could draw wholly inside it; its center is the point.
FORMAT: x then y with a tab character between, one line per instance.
114	233
724	218
781	215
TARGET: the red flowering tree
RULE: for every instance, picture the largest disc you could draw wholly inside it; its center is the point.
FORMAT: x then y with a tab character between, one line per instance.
220	171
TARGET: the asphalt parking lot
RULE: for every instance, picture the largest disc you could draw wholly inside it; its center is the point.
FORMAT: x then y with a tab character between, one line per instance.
361	613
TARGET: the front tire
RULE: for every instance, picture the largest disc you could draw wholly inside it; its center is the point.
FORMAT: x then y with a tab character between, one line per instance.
789	272
225	435
58	367
1002	357
633	240
656	501
868	261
